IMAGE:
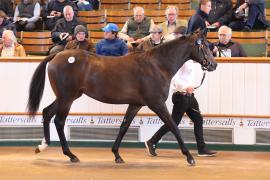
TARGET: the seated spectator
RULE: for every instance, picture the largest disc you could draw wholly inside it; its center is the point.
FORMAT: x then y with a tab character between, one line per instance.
227	47
136	29
84	5
54	11
80	41
87	5
111	45
172	22
178	32
43	5
10	47
255	15
5	5
64	30
6	24
154	40
26	14
220	14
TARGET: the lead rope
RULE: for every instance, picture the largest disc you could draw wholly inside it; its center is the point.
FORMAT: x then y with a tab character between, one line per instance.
204	73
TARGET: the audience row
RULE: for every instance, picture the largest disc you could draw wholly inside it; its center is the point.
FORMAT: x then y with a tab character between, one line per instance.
137	30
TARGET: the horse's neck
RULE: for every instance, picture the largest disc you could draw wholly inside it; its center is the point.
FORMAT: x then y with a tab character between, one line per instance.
173	56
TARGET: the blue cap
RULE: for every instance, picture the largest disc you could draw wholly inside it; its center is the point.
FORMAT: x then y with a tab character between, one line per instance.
110	27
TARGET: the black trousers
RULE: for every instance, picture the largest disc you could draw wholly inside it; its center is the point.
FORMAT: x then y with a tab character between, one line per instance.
189	105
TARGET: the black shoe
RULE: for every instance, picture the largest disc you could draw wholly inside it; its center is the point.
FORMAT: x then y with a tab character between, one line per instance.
246	29
206	153
151	148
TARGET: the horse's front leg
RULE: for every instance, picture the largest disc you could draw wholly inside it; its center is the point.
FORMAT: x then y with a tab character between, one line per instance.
163	113
130	113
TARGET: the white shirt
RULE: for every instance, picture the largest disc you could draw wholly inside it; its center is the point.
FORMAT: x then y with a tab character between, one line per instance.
8	51
184	78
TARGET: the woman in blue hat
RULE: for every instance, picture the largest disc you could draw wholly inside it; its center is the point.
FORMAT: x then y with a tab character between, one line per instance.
111	45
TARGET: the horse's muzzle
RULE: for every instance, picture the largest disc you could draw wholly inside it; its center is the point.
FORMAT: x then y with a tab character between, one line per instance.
212	66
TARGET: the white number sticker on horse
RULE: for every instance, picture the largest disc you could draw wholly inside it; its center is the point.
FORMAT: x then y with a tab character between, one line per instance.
71	59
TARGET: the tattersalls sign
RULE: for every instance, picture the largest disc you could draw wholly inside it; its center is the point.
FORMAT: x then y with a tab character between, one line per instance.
116	120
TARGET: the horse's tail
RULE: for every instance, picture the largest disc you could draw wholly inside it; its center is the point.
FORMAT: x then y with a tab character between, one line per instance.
37	86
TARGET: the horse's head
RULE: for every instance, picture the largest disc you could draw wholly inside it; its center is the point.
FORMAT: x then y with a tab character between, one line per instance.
201	52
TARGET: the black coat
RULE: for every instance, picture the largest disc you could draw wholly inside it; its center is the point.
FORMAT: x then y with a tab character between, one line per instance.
5	5
221	12
55	5
62	26
197	21
236	48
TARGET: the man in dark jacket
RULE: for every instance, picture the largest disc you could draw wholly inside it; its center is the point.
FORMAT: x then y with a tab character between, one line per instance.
54	11
227	47
198	20
253	15
5	5
64	30
220	14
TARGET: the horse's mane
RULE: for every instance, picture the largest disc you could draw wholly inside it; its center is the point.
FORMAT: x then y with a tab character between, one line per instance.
164	47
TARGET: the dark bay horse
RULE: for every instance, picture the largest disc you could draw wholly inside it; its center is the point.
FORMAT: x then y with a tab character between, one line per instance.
138	79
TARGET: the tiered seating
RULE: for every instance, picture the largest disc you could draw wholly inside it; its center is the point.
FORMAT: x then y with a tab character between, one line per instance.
254	43
185	14
112	4
94	19
157	15
182	5
147	4
118	17
96	36
36	43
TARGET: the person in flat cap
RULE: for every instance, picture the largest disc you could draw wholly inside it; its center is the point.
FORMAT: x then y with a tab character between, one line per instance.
81	40
177	32
154	40
111	45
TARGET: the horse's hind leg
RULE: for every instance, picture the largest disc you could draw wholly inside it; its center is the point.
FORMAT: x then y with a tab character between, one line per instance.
130	113
47	114
162	111
60	119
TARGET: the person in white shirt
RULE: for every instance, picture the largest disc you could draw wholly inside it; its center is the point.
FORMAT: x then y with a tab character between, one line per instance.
184	101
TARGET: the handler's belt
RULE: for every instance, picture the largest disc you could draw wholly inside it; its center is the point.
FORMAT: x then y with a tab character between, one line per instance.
183	93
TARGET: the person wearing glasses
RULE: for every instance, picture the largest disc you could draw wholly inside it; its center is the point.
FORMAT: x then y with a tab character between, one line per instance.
226	47
172	21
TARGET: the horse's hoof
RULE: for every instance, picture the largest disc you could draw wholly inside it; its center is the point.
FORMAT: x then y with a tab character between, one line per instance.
191	161
75	160
37	150
119	161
